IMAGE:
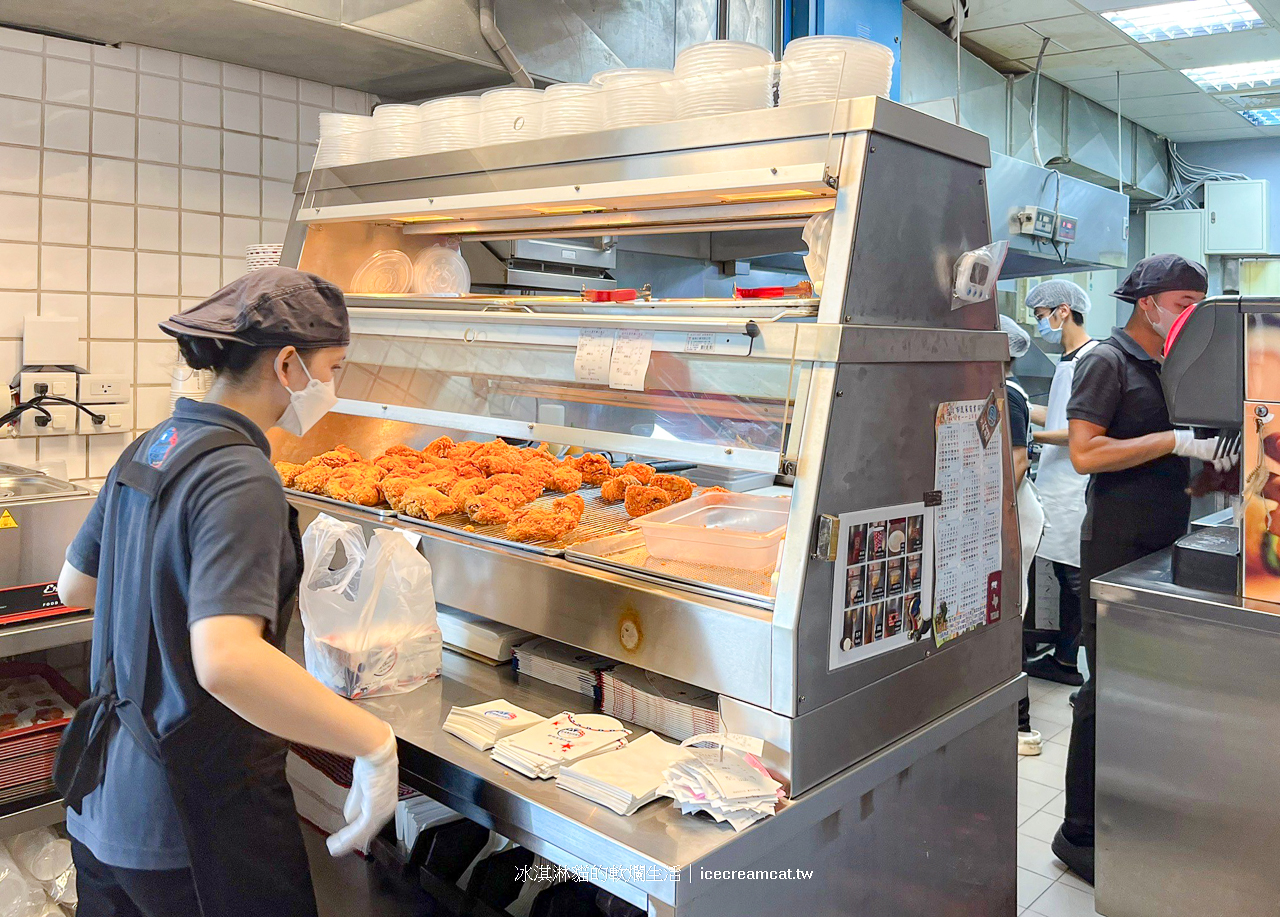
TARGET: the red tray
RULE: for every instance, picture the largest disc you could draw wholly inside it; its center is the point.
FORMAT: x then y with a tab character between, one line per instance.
69	695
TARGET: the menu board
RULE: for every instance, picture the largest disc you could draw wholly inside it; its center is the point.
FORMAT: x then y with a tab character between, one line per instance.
968	553
884	577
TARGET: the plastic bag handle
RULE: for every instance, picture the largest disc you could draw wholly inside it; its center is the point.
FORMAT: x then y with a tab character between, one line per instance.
321	578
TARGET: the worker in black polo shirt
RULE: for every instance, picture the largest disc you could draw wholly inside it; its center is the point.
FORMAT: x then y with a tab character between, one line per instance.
1137	503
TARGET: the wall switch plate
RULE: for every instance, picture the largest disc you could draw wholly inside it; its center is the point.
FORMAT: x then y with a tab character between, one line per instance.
61	384
62	421
117	419
104	388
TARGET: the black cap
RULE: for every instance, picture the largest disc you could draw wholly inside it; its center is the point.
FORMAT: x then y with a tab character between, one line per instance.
273	307
1161	274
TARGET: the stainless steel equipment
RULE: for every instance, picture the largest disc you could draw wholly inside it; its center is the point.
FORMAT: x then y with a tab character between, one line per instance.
39	516
1186	802
835	396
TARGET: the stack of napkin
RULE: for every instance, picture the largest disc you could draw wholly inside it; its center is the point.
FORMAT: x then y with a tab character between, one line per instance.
560	664
671	707
728	783
481	725
540	751
417	814
626	779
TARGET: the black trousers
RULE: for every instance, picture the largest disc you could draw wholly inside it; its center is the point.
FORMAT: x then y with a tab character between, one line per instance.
1119	538
1068	640
109	891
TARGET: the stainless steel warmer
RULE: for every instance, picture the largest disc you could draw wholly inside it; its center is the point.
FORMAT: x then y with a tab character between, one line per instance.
891	761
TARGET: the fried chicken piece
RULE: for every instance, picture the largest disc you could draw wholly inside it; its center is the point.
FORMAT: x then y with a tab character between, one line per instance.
509	495
540	454
311	480
614	489
424	502
465	489
594	468
643	473
494	447
349	452
484	510
461	451
332	459
288	471
355	483
713	490
394	487
468	469
540	473
641	500
442	479
402	449
496	464
535	523
398	464
565	479
439	447
526	485
572	504
679	488
431	461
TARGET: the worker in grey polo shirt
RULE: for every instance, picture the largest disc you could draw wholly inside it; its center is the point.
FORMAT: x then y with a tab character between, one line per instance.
174	769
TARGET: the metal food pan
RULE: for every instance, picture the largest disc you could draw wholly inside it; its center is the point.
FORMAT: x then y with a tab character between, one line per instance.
379	512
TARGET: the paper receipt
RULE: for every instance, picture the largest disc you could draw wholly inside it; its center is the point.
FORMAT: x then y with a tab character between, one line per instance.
591	362
630	362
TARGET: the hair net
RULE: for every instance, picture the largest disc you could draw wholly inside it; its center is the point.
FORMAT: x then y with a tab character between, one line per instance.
1019	340
1053	293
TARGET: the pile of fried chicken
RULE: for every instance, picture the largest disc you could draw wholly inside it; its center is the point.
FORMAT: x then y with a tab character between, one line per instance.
493	483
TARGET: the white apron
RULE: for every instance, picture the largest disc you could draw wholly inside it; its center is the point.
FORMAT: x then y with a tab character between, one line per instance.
1060	487
1030	520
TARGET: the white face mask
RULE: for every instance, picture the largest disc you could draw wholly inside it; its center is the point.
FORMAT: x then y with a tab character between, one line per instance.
1163	325
307	406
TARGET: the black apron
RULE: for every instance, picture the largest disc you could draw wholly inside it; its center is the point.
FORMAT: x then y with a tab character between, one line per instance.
227	777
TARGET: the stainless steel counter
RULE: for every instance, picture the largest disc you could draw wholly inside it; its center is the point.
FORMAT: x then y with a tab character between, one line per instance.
891	833
1188	818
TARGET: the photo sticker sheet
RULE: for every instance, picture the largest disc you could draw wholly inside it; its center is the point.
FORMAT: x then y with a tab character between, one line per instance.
884	582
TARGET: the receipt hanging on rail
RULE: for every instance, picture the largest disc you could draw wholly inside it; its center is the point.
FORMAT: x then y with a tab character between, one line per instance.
595	348
630	361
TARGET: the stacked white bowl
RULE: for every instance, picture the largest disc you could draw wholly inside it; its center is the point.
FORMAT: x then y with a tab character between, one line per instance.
572	108
511	113
639	96
396	132
820	68
344	139
449	124
719	77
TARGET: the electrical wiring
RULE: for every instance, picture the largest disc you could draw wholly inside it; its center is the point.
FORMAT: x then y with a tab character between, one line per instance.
1186	178
1035	105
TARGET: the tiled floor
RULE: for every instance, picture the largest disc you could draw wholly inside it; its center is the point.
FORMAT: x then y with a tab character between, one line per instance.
1045	888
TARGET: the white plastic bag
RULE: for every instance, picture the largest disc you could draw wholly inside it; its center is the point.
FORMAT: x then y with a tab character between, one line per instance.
370	623
44	859
817	235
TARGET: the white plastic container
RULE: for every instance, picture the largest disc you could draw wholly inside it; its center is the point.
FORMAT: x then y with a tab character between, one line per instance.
725	530
572	108
637	96
509	114
450	124
720	77
819	68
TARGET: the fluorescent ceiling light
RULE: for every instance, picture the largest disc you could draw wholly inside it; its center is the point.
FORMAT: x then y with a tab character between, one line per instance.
1187	19
1253	75
1263	117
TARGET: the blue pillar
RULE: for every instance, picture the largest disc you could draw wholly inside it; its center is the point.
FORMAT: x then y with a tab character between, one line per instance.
879	20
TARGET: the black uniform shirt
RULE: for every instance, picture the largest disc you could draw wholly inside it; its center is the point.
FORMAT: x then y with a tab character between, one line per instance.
1117	386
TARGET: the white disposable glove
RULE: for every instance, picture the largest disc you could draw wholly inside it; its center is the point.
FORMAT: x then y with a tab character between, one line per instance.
1221	451
375	790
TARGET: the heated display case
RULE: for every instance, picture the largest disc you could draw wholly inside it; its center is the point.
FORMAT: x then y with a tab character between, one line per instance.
890	758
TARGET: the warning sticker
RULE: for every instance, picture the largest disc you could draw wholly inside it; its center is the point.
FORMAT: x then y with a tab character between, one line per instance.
7	521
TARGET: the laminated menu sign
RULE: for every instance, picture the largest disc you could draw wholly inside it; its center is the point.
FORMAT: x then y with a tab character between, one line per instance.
967	550
595	350
883	582
630	361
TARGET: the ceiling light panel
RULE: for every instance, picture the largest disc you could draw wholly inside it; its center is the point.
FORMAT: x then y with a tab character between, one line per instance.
1263	117
1230	77
1186	19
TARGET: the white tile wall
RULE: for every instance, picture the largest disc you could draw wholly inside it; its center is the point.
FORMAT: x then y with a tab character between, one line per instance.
131	180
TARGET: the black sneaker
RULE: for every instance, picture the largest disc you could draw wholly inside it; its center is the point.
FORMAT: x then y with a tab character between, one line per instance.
1079	859
1050	669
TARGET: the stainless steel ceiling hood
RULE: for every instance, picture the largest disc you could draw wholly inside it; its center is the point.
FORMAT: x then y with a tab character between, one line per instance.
397	49
1101	217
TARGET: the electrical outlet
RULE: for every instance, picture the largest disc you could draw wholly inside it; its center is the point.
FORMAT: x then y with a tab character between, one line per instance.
61	421
104	388
61	384
117	418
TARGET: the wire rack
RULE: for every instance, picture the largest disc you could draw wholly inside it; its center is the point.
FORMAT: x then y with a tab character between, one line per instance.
627	553
598	520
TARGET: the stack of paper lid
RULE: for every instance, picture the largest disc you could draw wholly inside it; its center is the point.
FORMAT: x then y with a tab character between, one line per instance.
256	257
482	725
540	751
671	707
560	664
625	779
